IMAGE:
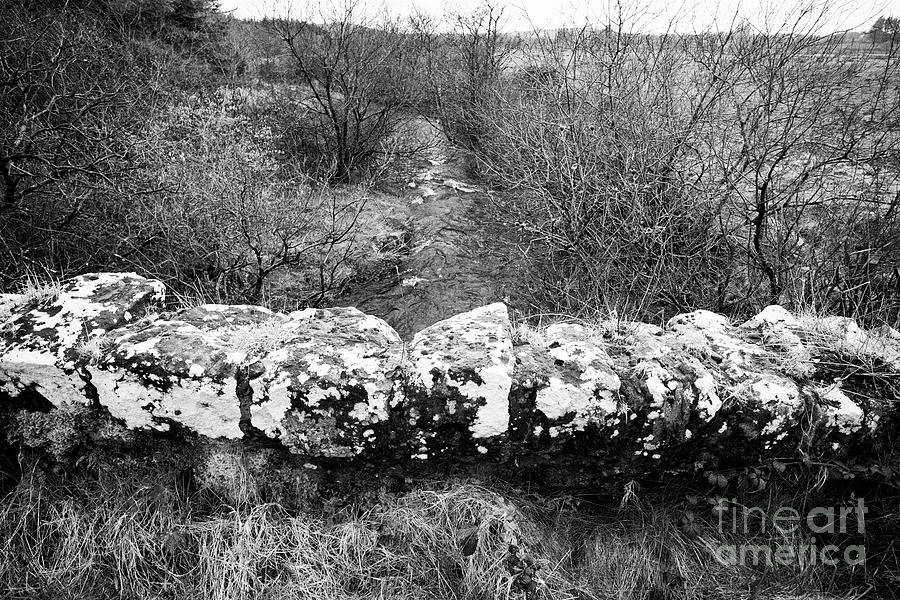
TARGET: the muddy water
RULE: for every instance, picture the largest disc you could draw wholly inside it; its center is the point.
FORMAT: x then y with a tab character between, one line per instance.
457	260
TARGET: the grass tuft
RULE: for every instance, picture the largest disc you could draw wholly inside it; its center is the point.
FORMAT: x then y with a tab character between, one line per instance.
261	338
35	290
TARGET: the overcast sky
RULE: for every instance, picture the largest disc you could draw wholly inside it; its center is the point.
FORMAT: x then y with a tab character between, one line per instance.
654	15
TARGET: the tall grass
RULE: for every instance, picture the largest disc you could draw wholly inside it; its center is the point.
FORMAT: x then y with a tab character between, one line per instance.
121	537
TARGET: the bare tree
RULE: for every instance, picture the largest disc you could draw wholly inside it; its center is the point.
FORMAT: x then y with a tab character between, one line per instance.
804	130
463	69
357	76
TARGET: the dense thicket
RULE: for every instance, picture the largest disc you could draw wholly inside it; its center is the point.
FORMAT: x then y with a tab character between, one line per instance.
664	173
127	143
80	83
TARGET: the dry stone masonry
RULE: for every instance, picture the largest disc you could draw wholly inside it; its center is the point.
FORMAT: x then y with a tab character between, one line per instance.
339	385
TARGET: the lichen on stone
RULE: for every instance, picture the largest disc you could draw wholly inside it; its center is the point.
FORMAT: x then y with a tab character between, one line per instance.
337	384
467	360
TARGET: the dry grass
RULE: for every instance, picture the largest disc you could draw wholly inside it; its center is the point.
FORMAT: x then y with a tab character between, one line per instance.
92	347
261	338
40	291
841	349
122	537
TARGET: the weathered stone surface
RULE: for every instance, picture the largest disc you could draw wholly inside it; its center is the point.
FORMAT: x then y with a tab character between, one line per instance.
572	379
42	345
771	317
459	381
327	387
181	371
338	384
8	302
318	381
701	391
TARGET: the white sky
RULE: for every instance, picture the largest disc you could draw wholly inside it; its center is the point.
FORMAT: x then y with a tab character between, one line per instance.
647	15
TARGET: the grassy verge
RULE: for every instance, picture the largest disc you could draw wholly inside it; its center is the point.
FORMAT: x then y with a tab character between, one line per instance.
118	536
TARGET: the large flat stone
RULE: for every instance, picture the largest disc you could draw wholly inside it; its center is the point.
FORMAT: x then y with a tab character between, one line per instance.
459	381
328	388
42	344
184	371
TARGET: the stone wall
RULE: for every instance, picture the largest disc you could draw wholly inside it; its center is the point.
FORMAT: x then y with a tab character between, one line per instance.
338	385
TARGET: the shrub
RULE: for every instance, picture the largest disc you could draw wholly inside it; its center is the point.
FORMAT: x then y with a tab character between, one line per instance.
594	168
463	70
85	78
356	82
62	133
227	220
654	174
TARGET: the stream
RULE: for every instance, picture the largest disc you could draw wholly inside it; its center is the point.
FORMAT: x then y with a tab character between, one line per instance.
458	258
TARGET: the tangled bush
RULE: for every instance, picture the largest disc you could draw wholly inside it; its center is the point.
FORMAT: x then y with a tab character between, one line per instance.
226	219
654	174
356	80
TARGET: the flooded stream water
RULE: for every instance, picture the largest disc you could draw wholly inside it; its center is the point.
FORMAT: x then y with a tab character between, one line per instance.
457	259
